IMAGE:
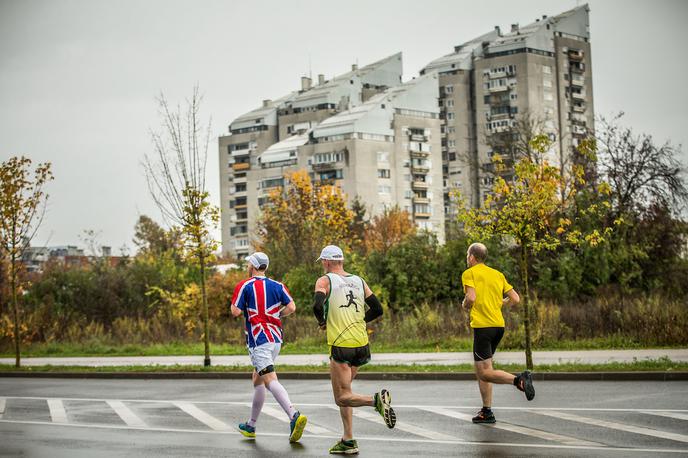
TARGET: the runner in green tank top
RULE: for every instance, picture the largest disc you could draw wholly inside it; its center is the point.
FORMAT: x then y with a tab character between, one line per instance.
343	305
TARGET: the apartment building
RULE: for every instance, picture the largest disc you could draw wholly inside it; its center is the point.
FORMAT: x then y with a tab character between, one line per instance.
538	76
364	131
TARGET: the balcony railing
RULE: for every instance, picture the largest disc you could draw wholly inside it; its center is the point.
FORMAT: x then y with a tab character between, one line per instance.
419	154
423	215
578	95
420	169
322	166
241	166
418	138
579	108
421	200
419	185
502	88
576	55
577	80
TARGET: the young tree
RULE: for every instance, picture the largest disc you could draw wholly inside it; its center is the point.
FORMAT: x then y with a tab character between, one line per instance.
388	229
300	219
22	206
531	210
176	180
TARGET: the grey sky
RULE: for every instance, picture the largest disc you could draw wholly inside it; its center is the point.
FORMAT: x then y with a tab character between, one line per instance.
78	78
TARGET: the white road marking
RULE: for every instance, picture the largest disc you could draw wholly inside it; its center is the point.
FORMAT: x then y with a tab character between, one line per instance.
508	445
675	415
2	407
57	411
126	414
405	406
281	416
617	426
402	426
202	416
566	440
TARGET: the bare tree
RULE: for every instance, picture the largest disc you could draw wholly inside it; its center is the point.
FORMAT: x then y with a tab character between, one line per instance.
639	171
176	179
22	207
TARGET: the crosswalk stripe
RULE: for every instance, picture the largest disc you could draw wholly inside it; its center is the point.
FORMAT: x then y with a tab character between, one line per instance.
674	415
2	406
617	426
403	426
281	416
566	440
126	414
202	416
57	411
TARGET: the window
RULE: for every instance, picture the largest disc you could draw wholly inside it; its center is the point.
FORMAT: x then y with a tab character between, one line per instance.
513	96
272	183
450	103
325	158
451	130
384	189
547	82
452	156
240	187
450	115
383	156
451	143
408	194
449	88
331	175
383	173
548	96
546	69
421	208
241	243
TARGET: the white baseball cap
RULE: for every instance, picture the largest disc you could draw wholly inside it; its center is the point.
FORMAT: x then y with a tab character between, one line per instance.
258	260
331	253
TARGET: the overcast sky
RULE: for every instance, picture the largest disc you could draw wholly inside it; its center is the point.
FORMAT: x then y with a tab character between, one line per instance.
78	78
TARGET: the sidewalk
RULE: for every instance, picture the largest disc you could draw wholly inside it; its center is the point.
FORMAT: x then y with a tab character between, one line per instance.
444	358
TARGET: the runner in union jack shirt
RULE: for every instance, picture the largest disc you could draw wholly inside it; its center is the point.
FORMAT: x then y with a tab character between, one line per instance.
263	301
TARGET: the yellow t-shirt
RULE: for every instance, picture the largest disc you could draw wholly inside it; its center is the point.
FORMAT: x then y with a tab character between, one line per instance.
490	286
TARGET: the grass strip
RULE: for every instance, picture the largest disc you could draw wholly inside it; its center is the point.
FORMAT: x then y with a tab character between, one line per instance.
662	365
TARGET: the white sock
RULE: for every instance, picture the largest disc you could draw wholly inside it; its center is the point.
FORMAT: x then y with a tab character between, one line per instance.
282	397
257	405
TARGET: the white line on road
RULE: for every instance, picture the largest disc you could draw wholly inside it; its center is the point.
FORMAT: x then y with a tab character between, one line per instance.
617	426
2	407
403	426
126	414
566	440
677	416
57	411
202	416
405	406
508	445
281	416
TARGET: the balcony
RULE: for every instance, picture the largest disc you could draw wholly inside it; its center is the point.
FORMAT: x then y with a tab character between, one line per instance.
579	130
577	80
421	200
419	154
237	166
422	215
501	88
575	56
578	95
579	108
421	169
419	185
242	152
579	68
418	138
323	166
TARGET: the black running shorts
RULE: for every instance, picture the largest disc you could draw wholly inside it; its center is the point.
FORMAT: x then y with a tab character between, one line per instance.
485	341
357	356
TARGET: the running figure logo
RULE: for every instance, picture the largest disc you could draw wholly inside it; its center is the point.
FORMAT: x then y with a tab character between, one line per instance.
351	298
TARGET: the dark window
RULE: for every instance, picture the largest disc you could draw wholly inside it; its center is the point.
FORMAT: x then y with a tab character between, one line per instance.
240	187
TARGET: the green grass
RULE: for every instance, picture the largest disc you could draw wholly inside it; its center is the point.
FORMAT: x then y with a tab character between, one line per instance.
304	346
662	364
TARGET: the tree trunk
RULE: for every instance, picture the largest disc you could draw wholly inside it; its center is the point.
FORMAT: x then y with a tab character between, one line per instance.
526	306
15	308
206	325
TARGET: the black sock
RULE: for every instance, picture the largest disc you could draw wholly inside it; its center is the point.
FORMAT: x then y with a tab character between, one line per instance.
487	409
517	379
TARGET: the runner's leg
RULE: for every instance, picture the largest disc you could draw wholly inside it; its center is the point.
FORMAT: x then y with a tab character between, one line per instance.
341	376
487	373
258	398
485	392
279	393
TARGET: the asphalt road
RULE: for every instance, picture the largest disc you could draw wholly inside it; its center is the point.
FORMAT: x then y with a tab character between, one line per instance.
156	418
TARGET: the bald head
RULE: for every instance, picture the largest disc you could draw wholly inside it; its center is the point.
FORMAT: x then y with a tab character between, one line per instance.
478	251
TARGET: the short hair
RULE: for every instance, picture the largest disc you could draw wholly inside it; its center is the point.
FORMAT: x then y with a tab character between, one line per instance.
262	268
478	251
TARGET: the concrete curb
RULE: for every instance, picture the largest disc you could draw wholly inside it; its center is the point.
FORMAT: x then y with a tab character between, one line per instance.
541	376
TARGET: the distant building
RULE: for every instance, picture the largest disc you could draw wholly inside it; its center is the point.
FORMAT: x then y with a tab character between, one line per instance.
35	258
412	144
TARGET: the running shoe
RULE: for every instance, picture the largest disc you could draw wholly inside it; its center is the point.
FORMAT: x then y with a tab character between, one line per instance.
525	384
343	447
297	425
484	417
247	430
383	406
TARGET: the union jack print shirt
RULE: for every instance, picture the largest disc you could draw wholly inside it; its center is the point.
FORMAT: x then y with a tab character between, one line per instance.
260	298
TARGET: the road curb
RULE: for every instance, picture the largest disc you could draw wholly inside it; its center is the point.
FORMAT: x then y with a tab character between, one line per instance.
428	376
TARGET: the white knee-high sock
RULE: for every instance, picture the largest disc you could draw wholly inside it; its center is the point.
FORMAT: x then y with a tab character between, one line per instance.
257	405
282	397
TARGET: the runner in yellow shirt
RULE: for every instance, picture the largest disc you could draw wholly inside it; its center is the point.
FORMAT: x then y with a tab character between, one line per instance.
485	289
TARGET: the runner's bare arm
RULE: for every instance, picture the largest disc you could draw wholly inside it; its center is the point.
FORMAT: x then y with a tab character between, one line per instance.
469	300
288	309
236	311
512	297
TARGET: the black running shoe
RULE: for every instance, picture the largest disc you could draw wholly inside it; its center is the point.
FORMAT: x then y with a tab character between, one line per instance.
525	384
485	417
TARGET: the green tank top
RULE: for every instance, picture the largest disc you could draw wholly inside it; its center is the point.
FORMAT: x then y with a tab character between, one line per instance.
345	312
